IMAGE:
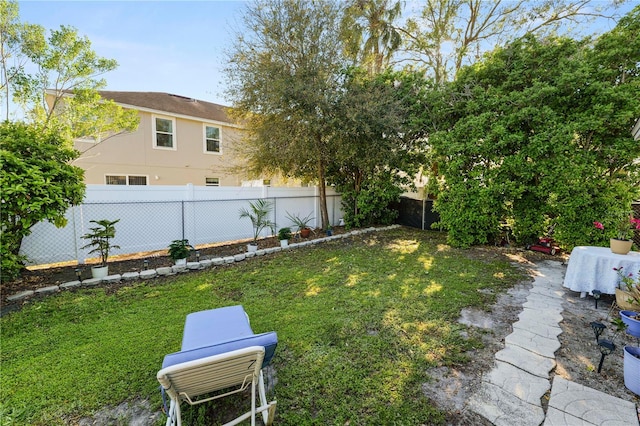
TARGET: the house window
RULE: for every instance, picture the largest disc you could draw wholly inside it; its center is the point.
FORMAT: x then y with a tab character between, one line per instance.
211	139
164	133
125	180
137	180
212	181
116	180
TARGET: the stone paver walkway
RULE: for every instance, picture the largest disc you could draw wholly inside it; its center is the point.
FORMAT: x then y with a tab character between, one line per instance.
510	394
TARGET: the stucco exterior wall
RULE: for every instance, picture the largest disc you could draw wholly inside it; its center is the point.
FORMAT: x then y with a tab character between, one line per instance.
136	154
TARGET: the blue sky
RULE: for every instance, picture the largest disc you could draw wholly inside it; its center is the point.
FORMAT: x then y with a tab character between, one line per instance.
161	46
164	46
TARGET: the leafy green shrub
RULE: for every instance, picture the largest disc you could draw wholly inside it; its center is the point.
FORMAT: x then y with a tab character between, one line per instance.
370	205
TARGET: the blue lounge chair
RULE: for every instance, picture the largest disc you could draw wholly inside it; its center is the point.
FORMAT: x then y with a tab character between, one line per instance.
220	356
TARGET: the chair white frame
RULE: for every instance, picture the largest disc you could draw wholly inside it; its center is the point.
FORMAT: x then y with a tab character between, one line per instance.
237	369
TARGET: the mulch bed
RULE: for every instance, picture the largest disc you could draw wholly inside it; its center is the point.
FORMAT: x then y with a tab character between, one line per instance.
50	275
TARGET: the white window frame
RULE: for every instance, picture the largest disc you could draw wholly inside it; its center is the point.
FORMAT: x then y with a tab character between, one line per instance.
126	176
207	184
154	140
204	139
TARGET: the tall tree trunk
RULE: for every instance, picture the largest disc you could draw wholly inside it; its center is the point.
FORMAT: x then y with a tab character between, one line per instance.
322	179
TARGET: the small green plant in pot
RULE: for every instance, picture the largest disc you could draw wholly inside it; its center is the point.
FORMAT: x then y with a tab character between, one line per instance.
100	237
284	235
258	213
302	223
179	251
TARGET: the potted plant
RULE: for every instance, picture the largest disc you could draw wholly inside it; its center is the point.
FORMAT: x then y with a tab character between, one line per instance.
179	251
632	368
284	235
329	231
301	223
624	225
628	290
99	242
258	213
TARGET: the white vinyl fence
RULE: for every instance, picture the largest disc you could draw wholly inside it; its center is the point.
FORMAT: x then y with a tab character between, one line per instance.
153	216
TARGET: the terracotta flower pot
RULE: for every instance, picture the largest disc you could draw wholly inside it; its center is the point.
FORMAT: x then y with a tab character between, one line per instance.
305	232
620	246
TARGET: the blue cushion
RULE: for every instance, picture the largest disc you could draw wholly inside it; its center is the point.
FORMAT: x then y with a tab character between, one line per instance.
267	340
206	328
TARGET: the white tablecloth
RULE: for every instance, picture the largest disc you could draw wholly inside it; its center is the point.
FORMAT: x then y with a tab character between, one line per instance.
591	268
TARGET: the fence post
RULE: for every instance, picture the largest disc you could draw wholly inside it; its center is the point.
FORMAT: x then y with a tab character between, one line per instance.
77	233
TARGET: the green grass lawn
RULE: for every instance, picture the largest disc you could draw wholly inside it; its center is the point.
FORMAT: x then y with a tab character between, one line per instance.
359	323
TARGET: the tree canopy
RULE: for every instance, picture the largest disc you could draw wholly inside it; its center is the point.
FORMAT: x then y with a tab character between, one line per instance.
448	34
55	80
284	76
539	134
37	182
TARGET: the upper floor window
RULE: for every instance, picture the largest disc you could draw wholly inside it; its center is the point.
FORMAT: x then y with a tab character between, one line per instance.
211	139
125	180
164	133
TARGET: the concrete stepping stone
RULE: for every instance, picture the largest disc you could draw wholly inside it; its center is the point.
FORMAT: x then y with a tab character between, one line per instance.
554	302
592	406
547	292
504	409
534	317
560	418
533	342
528	361
239	257
548	331
520	383
229	259
542	306
217	261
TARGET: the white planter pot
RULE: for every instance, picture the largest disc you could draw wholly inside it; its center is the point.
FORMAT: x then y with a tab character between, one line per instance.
99	271
252	247
181	262
284	243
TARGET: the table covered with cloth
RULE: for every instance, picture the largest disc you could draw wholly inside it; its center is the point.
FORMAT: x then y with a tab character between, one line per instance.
591	268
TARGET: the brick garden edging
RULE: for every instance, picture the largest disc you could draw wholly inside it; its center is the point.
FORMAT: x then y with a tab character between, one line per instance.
190	266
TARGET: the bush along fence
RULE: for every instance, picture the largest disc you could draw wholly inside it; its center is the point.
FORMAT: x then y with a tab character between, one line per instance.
204	263
148	224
